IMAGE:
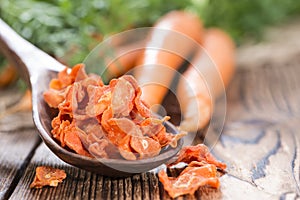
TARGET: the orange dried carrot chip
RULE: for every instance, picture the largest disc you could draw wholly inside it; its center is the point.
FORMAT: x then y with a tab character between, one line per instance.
198	153
126	150
200	171
141	106
97	149
64	78
99	100
122	97
189	180
152	126
72	140
146	147
47	176
54	97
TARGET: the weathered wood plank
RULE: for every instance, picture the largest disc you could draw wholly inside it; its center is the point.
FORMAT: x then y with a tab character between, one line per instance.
128	188
260	144
18	140
121	189
16	150
46	157
99	187
114	189
145	186
13	122
153	186
260	140
9	97
136	187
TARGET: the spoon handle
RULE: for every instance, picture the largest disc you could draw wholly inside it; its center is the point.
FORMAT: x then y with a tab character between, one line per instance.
29	60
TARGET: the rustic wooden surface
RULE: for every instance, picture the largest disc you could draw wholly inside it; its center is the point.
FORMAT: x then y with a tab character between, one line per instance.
260	144
260	140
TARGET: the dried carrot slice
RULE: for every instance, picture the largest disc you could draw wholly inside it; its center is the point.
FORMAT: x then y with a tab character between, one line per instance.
58	124
67	77
55	84
114	133
126	126
54	97
125	149
66	107
122	97
99	100
72	140
141	106
151	126
47	176
91	80
132	81
146	147
78	73
155	129
67	134
163	137
200	171
198	153
97	149
189	180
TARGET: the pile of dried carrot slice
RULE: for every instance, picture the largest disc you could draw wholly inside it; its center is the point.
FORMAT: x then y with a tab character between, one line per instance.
201	170
111	121
104	121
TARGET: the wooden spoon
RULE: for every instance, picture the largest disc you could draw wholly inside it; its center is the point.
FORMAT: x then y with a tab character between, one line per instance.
37	68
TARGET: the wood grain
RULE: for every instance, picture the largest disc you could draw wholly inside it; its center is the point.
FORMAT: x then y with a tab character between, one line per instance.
260	143
16	147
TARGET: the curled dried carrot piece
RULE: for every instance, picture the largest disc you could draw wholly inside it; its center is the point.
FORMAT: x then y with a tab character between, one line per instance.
200	171
125	149
198	153
189	180
72	140
141	106
99	100
47	176
122	97
146	147
65	78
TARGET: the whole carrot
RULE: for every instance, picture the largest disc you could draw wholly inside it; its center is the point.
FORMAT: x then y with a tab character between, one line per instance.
166	48
204	81
8	75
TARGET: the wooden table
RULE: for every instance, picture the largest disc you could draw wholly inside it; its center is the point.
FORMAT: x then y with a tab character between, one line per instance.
260	144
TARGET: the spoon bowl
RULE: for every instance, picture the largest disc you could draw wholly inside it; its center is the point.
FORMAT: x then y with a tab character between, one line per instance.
37	69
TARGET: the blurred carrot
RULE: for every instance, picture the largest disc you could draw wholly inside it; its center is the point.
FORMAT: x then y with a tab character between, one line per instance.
203	82
158	66
8	75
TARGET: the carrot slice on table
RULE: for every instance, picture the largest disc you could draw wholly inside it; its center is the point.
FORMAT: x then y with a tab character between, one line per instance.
200	171
47	176
198	153
189	180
